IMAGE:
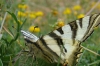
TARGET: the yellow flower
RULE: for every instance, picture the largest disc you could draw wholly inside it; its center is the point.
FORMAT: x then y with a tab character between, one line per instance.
22	14
39	13
20	22
34	29
8	17
77	7
95	28
55	12
98	6
22	6
80	16
60	24
93	4
31	15
67	11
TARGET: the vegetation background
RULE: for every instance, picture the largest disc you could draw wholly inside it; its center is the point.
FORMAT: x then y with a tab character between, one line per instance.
47	15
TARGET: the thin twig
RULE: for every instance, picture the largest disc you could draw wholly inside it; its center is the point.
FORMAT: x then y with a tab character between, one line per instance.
8	32
3	22
90	51
94	62
93	8
12	36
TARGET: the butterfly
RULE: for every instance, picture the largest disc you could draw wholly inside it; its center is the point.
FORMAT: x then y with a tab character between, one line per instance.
64	43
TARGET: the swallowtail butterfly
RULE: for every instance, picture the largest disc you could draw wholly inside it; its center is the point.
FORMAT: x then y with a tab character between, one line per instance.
64	42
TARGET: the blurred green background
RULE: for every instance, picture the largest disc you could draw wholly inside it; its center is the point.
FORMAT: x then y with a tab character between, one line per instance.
46	14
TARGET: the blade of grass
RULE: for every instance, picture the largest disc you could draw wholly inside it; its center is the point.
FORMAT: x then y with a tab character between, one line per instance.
12	36
16	20
18	27
1	64
91	64
23	24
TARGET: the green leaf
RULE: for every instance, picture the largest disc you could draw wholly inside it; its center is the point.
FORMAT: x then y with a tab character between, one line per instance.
18	27
16	20
13	15
1	64
23	23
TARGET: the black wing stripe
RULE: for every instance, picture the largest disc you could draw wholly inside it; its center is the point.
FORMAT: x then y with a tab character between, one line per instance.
46	55
92	20
45	44
80	22
74	28
60	30
58	39
37	45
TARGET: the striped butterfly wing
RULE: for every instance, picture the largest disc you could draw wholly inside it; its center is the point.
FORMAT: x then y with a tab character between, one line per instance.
36	48
64	43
